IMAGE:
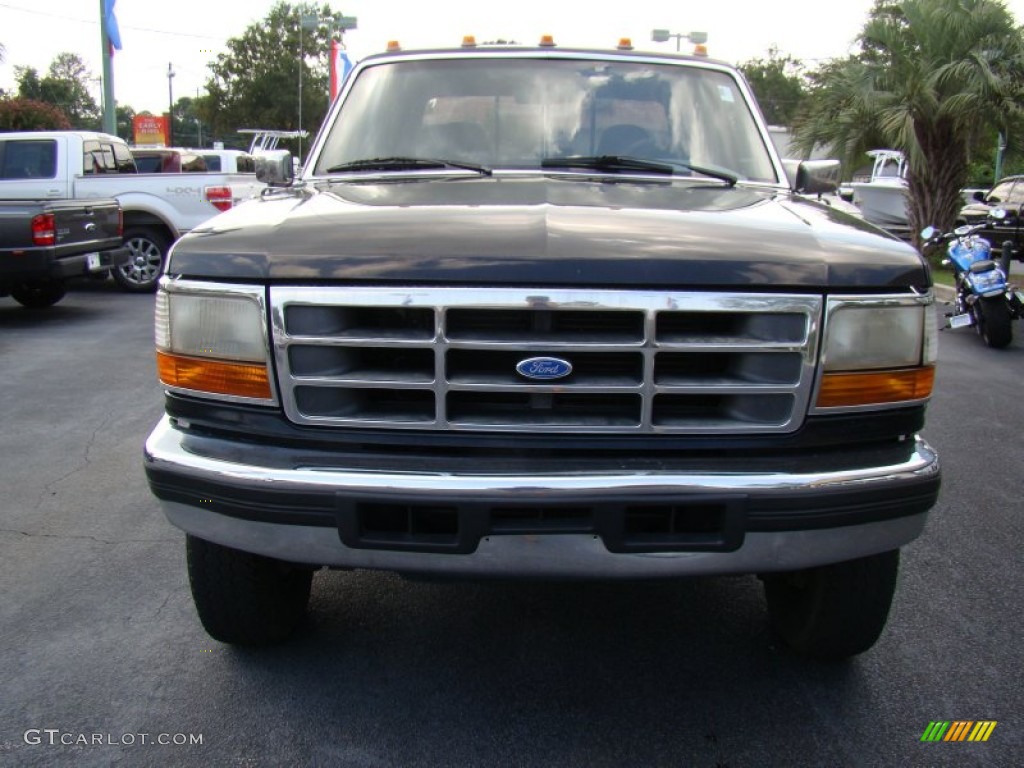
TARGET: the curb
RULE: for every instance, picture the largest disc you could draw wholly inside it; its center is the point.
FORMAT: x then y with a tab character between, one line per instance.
944	293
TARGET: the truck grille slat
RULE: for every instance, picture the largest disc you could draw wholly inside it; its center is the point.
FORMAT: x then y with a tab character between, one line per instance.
642	362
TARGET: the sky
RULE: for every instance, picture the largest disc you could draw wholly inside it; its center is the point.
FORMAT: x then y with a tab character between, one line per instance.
188	34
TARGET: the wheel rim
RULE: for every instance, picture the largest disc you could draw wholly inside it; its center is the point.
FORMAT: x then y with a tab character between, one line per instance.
144	265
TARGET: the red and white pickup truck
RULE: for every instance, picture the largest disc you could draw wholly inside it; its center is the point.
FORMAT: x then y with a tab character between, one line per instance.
158	208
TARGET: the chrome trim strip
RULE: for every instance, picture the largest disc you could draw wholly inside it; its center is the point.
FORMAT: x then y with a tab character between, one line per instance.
166	450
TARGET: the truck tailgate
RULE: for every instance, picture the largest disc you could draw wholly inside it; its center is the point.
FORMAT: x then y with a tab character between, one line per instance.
96	224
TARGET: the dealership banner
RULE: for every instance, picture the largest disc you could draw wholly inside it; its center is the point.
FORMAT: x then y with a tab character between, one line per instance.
149	129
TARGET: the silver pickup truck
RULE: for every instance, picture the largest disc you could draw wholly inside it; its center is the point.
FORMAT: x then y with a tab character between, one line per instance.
546	313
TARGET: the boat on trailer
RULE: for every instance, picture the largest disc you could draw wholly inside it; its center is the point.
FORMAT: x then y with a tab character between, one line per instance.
883	198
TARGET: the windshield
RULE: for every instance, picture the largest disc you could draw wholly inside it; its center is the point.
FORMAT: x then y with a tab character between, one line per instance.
519	113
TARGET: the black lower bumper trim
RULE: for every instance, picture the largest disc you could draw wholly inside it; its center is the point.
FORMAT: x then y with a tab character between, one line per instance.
697	523
669	523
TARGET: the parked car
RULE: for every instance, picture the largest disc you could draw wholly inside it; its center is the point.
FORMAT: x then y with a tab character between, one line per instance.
228	160
1008	194
179	160
168	160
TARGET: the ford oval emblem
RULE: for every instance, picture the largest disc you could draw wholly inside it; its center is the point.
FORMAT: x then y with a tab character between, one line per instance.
544	368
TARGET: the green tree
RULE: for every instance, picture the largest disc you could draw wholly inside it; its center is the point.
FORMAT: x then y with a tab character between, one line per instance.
778	84
256	83
188	125
66	86
932	77
124	117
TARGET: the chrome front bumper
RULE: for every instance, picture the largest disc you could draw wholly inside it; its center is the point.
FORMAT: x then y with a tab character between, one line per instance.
288	534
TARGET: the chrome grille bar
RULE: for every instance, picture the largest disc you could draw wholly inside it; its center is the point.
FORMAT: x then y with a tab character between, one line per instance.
643	361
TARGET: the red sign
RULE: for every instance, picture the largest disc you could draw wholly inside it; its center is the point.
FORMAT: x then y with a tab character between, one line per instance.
149	129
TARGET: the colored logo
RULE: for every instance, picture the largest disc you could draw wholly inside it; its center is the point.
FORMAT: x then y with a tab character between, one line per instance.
958	730
544	368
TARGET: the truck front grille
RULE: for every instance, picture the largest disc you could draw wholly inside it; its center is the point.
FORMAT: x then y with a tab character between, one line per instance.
448	358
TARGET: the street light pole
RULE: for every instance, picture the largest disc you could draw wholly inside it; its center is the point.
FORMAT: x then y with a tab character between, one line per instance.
302	61
663	35
309	21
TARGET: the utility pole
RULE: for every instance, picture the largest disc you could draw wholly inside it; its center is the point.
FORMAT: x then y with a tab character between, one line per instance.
107	57
170	106
1000	149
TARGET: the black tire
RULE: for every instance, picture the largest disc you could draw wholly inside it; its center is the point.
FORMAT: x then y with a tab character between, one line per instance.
245	599
994	321
39	295
833	612
148	248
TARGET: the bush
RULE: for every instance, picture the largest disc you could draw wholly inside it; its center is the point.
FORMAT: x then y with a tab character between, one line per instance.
30	115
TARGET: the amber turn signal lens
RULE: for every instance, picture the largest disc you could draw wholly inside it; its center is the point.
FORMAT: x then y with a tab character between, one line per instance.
238	379
839	390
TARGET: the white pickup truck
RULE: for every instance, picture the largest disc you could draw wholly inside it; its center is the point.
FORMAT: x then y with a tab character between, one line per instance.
158	208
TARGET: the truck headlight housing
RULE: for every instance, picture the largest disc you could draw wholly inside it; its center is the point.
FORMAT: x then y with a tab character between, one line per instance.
212	340
877	351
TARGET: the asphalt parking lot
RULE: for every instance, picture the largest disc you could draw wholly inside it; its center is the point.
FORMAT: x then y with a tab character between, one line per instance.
104	661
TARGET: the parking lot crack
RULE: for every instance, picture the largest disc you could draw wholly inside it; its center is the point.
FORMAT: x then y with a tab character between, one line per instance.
77	537
86	458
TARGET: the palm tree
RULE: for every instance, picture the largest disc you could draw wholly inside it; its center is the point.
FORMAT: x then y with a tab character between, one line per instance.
932	75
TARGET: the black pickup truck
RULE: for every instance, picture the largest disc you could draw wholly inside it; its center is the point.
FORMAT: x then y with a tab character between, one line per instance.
542	313
44	242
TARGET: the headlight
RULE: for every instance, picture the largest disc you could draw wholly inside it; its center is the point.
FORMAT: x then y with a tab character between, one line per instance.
212	340
877	351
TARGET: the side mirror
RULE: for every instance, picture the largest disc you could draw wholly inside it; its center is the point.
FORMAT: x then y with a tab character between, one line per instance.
816	177
928	233
275	168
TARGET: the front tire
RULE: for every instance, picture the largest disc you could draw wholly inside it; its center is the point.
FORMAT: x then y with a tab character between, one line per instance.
245	599
148	250
994	321
39	295
833	612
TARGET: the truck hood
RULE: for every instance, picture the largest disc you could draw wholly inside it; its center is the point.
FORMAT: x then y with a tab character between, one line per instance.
547	230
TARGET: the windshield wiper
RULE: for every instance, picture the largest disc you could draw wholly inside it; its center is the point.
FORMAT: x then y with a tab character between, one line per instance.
406	164
629	163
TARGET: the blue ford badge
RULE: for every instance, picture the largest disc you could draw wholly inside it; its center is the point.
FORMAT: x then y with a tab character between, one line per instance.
544	368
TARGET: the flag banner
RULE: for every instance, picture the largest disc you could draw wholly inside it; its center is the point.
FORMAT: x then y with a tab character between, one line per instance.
341	65
110	24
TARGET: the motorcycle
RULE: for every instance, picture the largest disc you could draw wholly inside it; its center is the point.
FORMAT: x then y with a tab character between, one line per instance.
983	296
